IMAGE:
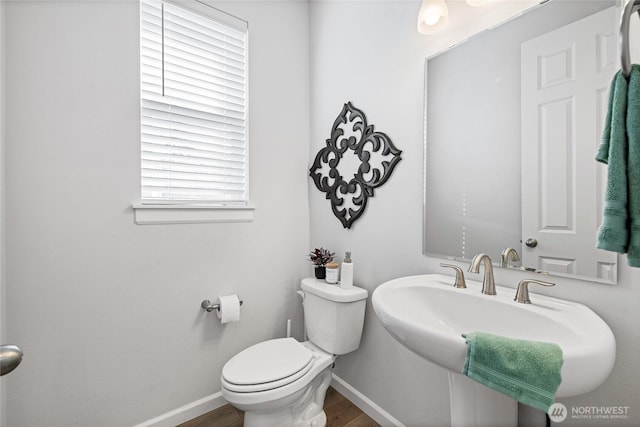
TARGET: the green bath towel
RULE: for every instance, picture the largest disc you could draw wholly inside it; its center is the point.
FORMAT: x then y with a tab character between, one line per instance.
633	165
614	230
527	371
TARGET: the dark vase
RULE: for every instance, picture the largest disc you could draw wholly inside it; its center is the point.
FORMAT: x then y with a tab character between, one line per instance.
320	271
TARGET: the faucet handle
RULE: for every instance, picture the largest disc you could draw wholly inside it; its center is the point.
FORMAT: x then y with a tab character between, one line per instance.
522	294
459	283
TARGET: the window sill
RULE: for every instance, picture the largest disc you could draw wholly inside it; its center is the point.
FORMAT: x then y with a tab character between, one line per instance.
190	214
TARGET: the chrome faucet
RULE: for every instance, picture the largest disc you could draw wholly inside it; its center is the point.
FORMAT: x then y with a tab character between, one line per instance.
507	255
488	284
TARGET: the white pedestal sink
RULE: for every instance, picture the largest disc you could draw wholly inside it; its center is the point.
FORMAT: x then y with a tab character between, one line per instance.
428	316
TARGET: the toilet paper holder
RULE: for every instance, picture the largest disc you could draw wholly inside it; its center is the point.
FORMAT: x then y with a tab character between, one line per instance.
206	305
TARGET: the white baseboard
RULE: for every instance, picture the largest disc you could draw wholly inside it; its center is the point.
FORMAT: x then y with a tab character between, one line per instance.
214	401
367	406
186	412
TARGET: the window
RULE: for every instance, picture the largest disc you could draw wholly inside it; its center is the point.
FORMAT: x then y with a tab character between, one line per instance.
193	79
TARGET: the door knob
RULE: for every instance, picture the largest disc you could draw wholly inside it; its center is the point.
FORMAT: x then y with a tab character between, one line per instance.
531	242
10	358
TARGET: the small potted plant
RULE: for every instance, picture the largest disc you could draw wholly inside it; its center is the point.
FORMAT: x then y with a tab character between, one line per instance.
320	257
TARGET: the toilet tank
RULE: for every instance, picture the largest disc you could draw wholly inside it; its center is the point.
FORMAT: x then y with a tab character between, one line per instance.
333	316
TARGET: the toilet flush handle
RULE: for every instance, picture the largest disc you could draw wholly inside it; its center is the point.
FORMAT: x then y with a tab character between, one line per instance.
304	328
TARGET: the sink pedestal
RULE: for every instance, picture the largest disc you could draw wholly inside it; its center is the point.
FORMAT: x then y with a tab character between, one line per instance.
474	405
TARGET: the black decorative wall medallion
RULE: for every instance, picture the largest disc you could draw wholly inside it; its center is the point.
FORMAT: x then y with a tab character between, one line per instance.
357	153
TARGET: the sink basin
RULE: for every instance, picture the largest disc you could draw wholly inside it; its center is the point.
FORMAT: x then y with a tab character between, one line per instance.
428	316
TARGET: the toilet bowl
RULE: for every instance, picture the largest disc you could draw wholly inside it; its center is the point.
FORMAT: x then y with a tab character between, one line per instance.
282	382
287	386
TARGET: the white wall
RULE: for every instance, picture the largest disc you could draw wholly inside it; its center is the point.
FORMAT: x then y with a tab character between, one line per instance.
108	312
371	54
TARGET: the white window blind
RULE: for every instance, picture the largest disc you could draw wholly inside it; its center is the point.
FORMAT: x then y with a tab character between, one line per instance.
193	79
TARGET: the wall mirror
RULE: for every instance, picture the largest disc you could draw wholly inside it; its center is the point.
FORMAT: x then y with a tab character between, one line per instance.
513	118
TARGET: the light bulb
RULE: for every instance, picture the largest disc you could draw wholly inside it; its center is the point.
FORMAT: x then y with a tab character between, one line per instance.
433	16
431	19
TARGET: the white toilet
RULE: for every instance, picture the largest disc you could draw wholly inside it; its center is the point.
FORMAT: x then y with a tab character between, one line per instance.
282	382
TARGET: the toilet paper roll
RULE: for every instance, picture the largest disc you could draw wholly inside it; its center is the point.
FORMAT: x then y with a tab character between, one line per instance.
229	310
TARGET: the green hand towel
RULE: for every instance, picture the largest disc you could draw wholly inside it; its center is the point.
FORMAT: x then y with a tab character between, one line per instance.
633	165
614	230
527	371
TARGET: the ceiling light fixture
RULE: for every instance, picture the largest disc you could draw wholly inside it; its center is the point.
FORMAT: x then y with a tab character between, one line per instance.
433	16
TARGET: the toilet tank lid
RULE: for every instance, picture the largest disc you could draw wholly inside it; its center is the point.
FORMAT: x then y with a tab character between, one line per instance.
333	292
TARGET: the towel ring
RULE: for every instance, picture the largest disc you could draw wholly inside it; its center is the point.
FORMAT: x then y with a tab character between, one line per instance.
630	7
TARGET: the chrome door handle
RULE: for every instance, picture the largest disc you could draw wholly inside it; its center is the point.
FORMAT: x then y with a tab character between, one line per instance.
531	242
10	358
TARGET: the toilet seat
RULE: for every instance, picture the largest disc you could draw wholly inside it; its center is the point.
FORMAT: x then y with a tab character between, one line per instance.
267	365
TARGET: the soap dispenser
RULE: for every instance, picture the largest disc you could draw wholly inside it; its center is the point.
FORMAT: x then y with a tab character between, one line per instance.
346	275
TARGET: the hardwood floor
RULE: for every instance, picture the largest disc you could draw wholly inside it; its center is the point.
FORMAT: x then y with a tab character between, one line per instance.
340	413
